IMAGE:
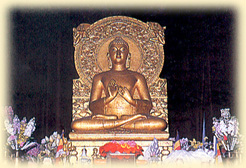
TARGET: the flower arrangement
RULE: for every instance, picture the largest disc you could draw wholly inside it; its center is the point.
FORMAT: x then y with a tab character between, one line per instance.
126	147
226	129
152	153
48	146
19	132
56	148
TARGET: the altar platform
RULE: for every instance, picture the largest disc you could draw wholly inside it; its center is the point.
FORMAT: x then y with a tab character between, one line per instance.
164	145
118	136
92	140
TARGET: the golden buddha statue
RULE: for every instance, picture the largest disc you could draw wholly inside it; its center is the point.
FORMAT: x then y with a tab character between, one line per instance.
118	108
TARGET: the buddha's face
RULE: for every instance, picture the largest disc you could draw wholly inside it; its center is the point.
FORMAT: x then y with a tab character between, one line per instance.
118	53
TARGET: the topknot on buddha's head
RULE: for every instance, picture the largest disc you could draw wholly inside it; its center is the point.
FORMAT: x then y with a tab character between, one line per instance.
118	40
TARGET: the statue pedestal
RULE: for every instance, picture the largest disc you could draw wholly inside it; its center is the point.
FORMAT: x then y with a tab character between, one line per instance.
118	136
95	140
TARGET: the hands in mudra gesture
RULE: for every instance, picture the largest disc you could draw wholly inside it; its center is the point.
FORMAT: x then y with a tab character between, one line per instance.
115	89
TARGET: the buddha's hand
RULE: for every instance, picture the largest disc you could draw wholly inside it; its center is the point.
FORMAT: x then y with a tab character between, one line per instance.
125	93
112	89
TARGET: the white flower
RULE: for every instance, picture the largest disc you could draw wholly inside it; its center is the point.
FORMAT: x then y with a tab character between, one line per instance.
27	145
9	127
51	139
55	134
233	126
46	139
43	141
58	140
223	127
30	128
47	151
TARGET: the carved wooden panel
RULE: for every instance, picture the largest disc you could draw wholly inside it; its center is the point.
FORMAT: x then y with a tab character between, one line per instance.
145	44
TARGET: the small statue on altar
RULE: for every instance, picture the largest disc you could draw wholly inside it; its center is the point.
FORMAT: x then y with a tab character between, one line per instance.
84	158
118	108
95	154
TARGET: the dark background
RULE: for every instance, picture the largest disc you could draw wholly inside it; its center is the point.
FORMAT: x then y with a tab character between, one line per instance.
199	64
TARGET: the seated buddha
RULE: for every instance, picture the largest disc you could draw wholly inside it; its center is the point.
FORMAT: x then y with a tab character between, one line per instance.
116	108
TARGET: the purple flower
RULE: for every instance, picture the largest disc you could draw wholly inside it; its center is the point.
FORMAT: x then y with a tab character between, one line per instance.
11	138
34	151
16	124
22	143
120	142
113	142
9	113
131	143
23	121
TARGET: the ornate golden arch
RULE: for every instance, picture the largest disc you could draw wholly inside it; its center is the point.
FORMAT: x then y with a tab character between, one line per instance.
145	41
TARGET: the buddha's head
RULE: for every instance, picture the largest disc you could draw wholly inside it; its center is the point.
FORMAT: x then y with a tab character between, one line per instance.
118	52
